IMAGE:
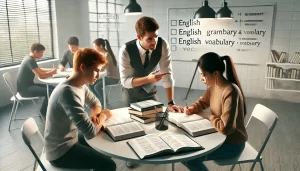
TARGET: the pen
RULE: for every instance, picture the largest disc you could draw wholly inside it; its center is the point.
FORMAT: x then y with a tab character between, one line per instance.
163	118
186	104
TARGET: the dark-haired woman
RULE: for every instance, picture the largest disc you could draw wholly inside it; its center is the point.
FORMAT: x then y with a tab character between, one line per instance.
225	98
112	71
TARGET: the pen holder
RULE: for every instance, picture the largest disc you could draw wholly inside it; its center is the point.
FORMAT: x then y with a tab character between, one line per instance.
161	121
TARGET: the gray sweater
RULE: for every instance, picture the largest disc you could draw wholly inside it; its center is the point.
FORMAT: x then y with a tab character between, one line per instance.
65	116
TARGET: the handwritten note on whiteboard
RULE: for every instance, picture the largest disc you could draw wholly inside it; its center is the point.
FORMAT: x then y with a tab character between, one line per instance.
246	37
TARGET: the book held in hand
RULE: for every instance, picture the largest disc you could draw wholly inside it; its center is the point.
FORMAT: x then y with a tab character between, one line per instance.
193	124
153	145
146	105
122	127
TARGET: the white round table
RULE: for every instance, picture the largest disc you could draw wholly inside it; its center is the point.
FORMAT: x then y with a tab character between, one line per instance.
55	81
120	149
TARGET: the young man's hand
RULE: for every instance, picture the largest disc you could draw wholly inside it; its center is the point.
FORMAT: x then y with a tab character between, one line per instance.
153	77
95	119
54	71
106	112
61	68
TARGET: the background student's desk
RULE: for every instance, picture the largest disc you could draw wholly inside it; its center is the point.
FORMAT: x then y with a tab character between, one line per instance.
56	81
120	149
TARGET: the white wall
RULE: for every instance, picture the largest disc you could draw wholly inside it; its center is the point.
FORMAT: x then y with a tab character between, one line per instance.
286	38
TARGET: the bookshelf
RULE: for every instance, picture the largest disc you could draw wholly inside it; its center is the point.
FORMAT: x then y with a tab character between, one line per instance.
281	74
283	64
283	79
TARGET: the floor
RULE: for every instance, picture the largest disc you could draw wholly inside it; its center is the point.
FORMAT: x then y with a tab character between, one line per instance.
282	151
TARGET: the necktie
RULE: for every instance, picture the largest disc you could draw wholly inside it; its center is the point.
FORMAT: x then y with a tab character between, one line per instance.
146	63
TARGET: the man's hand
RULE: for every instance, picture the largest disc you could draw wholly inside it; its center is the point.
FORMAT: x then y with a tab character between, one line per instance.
95	119
106	112
175	108
61	68
153	77
53	71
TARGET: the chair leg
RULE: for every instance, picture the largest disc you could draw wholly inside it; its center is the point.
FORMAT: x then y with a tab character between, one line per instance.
253	165
16	109
240	167
232	167
38	110
34	165
108	94
261	165
11	115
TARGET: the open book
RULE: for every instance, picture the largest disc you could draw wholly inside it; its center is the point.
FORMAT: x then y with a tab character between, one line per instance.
194	124
61	75
165	143
121	128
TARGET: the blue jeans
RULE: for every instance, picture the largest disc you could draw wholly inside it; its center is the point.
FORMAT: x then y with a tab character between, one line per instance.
97	88
224	152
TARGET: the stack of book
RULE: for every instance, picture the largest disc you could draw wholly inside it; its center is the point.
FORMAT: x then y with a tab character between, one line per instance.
145	111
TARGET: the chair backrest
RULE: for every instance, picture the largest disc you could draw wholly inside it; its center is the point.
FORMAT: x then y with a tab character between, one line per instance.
29	129
268	118
10	82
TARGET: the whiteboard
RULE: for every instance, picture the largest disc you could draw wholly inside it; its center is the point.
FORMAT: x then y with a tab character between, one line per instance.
246	38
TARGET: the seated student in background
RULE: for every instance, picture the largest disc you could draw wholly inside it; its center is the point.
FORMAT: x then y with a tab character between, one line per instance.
66	117
113	76
28	69
225	99
73	43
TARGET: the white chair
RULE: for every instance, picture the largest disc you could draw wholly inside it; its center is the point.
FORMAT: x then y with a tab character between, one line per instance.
10	81
31	135
109	90
249	154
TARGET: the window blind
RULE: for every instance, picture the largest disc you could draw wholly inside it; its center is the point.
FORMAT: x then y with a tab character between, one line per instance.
23	22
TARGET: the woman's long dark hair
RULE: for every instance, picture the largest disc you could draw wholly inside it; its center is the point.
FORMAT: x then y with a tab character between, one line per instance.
106	45
211	62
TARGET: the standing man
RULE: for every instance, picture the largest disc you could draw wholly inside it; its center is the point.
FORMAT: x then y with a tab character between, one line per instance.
139	59
73	44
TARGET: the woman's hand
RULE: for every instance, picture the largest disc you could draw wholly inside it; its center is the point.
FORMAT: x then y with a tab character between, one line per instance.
187	111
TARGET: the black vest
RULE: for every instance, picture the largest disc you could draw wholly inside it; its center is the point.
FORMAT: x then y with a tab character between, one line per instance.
137	65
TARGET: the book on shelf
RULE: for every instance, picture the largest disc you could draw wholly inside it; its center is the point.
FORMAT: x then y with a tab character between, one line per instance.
143	119
270	84
153	145
295	58
193	124
276	58
146	105
122	127
151	111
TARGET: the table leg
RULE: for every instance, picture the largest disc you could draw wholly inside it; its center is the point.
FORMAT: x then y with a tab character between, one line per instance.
104	93
47	90
173	167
